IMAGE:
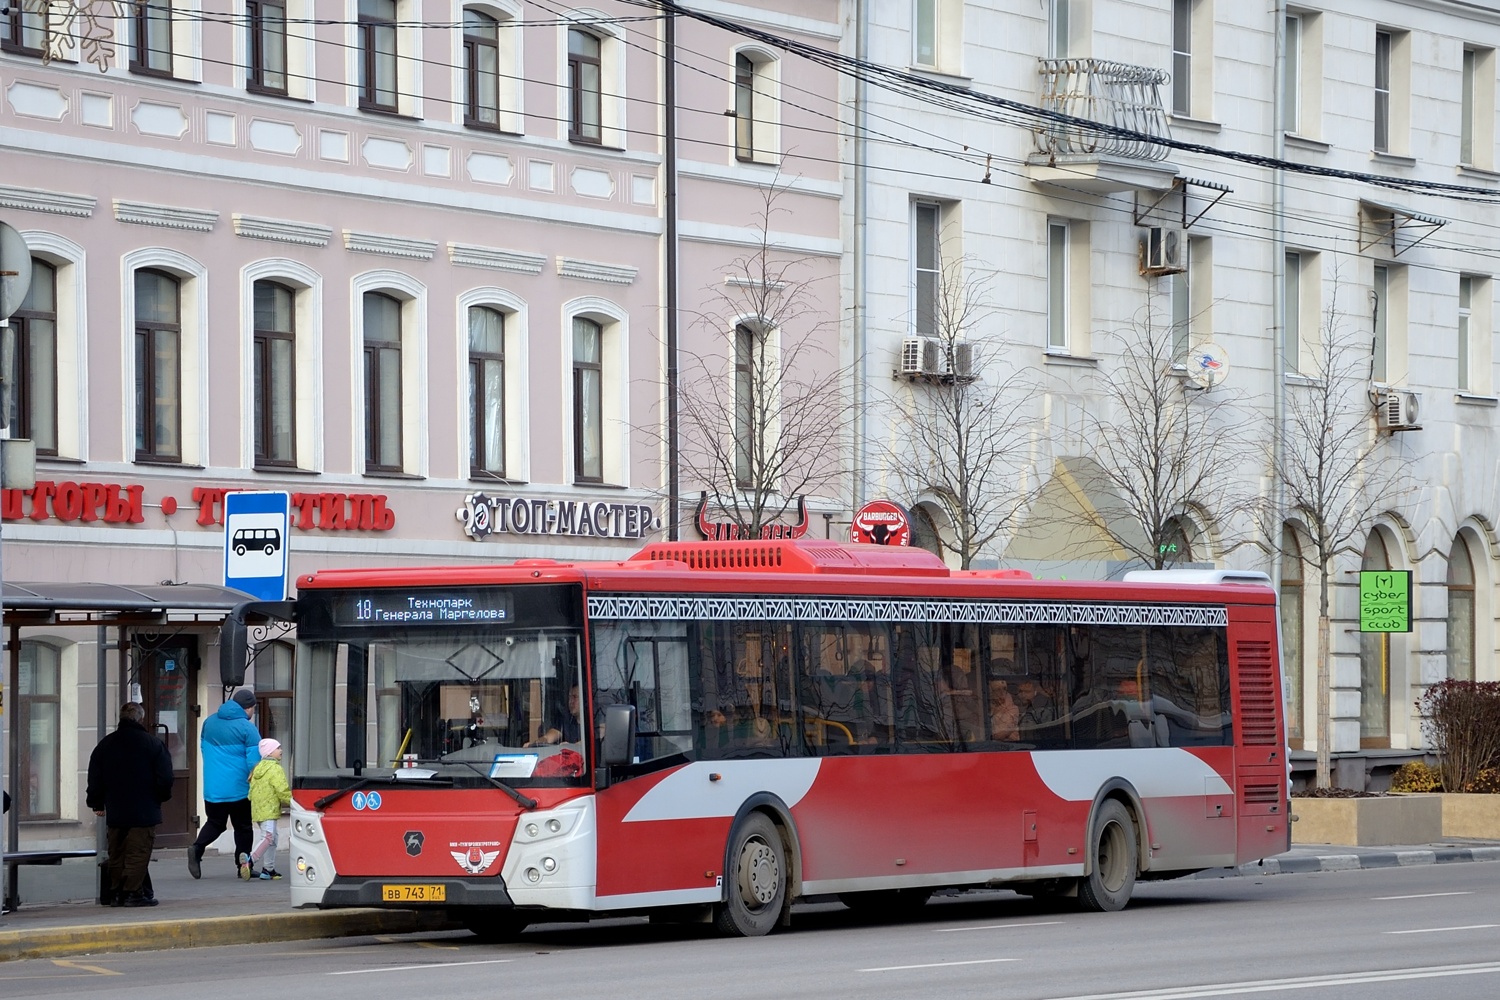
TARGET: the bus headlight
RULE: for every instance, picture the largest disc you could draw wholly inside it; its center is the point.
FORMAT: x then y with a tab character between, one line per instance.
549	865
532	875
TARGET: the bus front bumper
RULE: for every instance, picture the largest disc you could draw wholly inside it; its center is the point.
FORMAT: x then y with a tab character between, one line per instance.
355	891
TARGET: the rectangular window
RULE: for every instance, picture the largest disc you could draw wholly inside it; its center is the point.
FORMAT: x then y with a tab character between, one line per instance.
1381	339
39	721
1466	115
1465	306
1382	91
382	339
1291	312
158	367
486	391
925	33
748	408
585	87
377	55
1291	69
275	380
265	37
926	266
25	27
588	402
151	37
1057	286
481	70
1182	305
1059	30
1182	57
30	362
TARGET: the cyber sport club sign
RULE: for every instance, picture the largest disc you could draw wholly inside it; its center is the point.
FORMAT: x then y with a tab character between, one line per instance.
881	522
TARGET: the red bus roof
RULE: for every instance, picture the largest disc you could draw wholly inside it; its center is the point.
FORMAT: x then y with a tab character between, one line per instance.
807	566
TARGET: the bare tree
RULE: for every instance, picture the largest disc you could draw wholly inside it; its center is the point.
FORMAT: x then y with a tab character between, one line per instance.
763	412
1335	471
965	431
1165	449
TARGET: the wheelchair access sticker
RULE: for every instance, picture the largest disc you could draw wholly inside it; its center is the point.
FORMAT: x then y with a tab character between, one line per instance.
365	800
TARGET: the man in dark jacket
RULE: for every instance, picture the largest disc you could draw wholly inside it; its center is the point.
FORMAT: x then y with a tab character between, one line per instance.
130	776
231	749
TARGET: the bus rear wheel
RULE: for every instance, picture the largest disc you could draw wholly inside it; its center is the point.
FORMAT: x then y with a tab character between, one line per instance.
756	879
1111	878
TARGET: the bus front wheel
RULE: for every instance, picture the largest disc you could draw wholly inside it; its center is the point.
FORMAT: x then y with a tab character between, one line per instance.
1111	877
494	926
756	879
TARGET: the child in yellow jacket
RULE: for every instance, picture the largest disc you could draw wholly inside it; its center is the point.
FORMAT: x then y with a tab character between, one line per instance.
269	792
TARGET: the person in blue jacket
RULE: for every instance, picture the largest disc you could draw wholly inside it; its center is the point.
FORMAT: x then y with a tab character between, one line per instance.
231	749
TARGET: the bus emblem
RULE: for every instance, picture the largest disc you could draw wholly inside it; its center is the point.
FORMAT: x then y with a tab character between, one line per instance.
413	842
474	860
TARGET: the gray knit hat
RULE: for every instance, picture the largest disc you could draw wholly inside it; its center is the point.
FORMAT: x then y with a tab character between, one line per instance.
245	698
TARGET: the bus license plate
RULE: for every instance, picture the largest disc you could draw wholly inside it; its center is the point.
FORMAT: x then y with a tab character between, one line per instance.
414	893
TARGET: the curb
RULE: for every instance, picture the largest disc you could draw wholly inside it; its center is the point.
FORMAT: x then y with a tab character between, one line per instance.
1355	862
207	932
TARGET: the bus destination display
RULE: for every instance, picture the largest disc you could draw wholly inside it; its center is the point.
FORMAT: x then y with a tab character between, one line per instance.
423	607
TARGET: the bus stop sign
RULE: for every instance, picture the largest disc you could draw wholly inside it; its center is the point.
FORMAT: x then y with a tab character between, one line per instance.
1385	600
256	530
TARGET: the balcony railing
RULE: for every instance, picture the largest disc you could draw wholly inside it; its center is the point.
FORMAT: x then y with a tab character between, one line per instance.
1110	93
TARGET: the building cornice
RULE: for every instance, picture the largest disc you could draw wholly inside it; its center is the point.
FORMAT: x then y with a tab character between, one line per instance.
140	213
389	246
589	270
281	230
52	202
516	261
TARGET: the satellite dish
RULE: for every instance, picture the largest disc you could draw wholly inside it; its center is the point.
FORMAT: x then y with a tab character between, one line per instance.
1207	365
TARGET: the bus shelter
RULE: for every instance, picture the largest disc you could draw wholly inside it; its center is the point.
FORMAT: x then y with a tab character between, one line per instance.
159	636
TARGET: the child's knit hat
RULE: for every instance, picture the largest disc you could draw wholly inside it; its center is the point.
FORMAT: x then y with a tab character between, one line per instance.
269	746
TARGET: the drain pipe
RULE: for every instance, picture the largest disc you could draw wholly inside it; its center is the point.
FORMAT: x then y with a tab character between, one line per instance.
669	199
861	245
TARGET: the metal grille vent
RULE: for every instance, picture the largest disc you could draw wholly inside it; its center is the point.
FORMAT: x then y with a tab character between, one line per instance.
1258	693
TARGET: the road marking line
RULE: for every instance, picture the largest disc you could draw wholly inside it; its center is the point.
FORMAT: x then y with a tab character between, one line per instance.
429	965
96	969
1428	895
994	927
1299	983
436	946
1438	930
939	965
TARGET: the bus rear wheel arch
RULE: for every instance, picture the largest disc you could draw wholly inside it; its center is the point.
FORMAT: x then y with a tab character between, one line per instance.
1114	860
756	878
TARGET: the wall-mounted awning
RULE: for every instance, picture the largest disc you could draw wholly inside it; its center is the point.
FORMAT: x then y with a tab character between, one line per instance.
1380	222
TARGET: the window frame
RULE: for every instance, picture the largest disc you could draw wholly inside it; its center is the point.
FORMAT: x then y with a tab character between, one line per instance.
377	410
1464	353
1380	326
1466	591
1059	285
255	59
1293	597
748	406
1291	69
24	720
367	27
928	15
577	92
472	44
15	18
140	39
744	107
478	467
263	361
1384	43
145	415
24	424
1182	57
926	272
583	421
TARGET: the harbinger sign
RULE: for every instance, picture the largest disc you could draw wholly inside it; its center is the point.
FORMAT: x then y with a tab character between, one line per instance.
1385	600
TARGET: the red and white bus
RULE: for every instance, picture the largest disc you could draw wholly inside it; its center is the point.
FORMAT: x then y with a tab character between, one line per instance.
720	728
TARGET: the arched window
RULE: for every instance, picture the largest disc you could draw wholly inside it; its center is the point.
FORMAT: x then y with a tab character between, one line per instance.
275	362
755	111
1176	543
481	70
158	367
1374	663
1460	610
585	87
486	391
1292	646
383	427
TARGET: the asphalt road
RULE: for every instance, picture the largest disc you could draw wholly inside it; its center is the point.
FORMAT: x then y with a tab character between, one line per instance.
1429	931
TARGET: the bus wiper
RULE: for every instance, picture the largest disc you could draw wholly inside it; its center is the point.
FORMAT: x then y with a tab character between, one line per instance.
525	801
371	779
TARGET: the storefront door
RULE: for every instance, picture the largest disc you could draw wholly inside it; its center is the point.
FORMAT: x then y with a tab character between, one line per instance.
167	668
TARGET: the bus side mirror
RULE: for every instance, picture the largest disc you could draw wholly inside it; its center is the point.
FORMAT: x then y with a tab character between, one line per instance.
234	636
619	735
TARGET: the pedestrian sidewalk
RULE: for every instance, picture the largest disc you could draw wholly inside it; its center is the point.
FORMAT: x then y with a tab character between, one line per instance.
220	909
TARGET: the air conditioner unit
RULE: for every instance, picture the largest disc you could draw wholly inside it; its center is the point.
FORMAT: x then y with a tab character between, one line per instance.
965	367
1397	410
921	356
1164	250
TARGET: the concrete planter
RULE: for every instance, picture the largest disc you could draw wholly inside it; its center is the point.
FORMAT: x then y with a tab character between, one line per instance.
1471	816
1373	822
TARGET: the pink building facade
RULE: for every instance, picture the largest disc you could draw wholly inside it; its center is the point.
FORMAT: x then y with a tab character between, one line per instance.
404	259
